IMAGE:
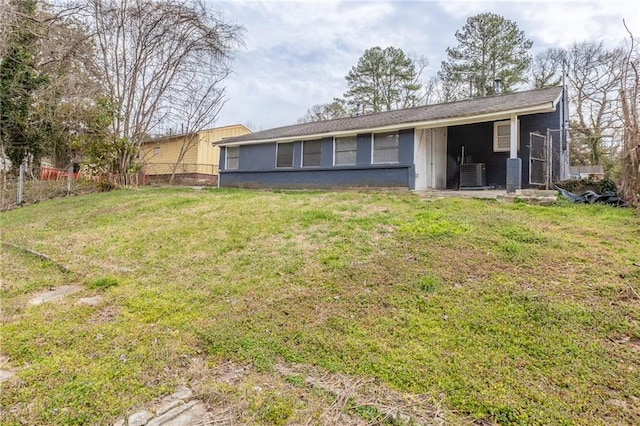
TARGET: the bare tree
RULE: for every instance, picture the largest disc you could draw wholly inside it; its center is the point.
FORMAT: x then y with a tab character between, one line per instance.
547	68
630	105
154	57
321	112
594	77
198	110
71	106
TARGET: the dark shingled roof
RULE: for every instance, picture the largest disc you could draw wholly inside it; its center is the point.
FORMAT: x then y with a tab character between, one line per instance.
450	110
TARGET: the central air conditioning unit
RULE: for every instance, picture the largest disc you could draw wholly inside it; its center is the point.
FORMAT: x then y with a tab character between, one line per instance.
473	175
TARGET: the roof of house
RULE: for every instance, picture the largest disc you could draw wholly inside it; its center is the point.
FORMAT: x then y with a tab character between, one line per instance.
487	108
164	138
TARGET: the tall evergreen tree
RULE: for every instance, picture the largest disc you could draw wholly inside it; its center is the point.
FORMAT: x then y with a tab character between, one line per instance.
489	47
382	80
19	79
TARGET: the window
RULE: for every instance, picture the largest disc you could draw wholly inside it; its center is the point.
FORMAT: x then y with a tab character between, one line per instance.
385	147
311	153
284	155
156	150
345	151
502	136
233	157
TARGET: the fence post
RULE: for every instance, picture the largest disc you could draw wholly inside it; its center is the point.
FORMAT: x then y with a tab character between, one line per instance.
20	184
69	178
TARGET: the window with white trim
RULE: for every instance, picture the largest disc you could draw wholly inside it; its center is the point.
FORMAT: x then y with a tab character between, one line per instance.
284	154
233	157
502	136
156	150
345	150
385	148
311	153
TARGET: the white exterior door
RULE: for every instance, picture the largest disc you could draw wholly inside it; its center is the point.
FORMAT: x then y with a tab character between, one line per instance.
430	158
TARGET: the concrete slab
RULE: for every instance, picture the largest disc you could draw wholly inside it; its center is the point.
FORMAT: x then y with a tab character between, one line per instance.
189	414
140	418
177	409
463	193
6	375
55	294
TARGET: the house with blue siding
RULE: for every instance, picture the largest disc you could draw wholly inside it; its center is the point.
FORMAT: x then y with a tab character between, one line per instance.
487	142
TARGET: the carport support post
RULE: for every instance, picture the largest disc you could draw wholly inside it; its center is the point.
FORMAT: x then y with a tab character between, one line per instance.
514	164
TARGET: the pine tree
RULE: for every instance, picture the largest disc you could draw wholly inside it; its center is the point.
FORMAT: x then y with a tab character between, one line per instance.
382	80
489	47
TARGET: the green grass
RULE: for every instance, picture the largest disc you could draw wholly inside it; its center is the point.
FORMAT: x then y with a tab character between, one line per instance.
516	313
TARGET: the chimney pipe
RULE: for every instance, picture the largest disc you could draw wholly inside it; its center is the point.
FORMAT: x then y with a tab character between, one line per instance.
497	86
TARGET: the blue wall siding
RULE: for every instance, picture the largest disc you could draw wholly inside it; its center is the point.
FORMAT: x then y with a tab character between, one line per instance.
373	176
326	152
257	157
405	148
405	154
363	155
477	140
257	162
257	167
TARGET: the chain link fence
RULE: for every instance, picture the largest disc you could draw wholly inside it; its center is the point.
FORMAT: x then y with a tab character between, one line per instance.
32	188
45	183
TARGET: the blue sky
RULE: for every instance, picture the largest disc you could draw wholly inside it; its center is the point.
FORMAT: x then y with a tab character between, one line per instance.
297	53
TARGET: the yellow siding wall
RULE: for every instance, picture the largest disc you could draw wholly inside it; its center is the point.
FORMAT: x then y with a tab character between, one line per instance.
202	157
209	156
162	162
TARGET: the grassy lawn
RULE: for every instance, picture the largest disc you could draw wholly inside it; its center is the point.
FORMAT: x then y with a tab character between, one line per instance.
511	313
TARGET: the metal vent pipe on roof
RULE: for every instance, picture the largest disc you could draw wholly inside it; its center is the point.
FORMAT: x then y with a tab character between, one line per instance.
497	86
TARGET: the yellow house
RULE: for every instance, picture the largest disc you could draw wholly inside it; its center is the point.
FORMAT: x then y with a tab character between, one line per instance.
189	157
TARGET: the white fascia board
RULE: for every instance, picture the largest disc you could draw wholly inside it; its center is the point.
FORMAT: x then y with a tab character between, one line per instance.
443	122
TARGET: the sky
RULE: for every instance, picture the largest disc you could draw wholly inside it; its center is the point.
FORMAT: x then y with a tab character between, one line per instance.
296	54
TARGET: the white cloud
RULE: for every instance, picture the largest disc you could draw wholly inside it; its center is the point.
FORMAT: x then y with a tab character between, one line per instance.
298	52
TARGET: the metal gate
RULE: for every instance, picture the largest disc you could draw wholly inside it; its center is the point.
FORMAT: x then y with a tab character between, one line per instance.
539	159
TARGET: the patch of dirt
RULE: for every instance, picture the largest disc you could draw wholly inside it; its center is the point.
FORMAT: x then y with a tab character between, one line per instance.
104	315
634	344
6	370
91	301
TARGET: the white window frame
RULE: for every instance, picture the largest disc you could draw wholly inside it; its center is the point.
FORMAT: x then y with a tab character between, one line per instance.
335	146
156	151
302	157
227	156
278	151
373	148
507	123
